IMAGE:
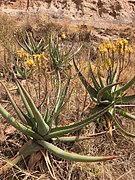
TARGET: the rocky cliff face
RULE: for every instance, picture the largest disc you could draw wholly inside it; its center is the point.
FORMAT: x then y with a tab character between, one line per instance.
92	11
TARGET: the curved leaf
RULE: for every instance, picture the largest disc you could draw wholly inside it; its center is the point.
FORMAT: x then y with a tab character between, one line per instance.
115	77
17	110
22	128
100	79
42	127
125	113
73	156
122	130
126	99
31	120
103	91
79	138
125	87
60	131
95	83
88	87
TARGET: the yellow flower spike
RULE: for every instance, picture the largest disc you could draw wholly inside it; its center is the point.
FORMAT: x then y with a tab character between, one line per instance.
108	46
119	43
63	35
129	50
102	49
107	41
113	48
22	54
125	42
37	58
59	38
121	52
109	62
42	57
29	62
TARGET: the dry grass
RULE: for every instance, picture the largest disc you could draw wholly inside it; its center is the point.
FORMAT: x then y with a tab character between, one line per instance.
77	108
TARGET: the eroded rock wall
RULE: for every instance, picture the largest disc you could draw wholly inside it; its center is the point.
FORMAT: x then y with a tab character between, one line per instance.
94	11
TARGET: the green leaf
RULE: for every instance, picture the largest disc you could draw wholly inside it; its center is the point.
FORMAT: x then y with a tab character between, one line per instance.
60	131
73	156
103	92
115	78
61	98
31	122
31	40
25	45
126	99
125	87
79	138
125	113
28	109
95	83
100	79
42	127
109	76
122	130
20	72
17	110
47	116
89	88
22	128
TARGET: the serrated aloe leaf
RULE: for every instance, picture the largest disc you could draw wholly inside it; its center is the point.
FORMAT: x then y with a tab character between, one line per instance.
17	110
122	130
58	94
42	127
29	49
95	83
60	131
31	40
96	109
56	115
104	90
109	76
125	87
31	122
28	109
88	87
73	156
23	46
62	95
100	79
22	128
46	116
126	99
115	77
40	44
55	109
79	138
125	113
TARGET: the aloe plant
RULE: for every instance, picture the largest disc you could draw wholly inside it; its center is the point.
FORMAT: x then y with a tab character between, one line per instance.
104	93
60	56
44	130
29	44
